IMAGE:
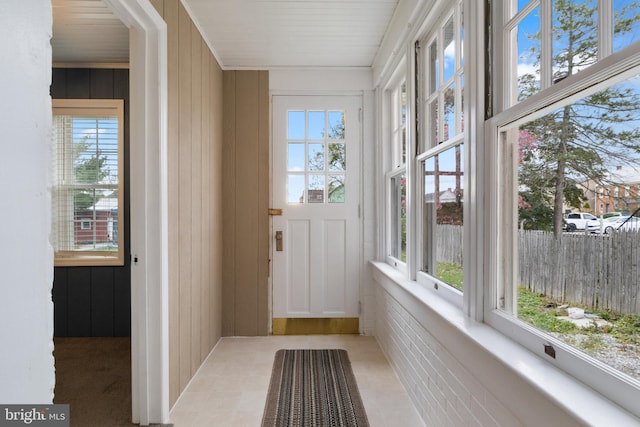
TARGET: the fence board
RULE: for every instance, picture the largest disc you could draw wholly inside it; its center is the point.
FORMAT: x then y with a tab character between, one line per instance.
597	271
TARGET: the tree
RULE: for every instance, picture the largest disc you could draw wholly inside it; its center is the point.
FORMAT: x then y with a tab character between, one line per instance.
336	160
580	141
89	167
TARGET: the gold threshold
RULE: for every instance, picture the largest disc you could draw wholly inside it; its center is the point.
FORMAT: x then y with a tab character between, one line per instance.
315	326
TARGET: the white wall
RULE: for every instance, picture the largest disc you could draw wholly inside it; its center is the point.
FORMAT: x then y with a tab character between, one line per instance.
461	372
346	82
26	258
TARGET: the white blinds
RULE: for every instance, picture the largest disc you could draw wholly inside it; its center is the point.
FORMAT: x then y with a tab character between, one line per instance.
87	193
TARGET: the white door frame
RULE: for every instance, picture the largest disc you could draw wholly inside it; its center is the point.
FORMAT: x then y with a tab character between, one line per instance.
148	202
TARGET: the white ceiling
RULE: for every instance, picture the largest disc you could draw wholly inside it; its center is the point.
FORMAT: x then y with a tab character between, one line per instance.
86	31
293	33
244	34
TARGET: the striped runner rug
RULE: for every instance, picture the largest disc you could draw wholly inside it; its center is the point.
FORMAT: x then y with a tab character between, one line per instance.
313	388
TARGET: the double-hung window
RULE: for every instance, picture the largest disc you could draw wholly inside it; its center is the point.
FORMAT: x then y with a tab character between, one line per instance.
396	176
87	195
567	127
440	160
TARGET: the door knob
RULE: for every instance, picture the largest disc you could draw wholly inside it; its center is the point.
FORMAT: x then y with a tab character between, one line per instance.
279	241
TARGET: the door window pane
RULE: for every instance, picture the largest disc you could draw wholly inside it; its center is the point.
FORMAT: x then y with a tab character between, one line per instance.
295	125
335	188
316	157
317	125
295	189
337	156
336	124
315	193
295	157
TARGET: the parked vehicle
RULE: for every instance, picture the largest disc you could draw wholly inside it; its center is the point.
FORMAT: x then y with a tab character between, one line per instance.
631	224
611	224
622	223
581	221
615	214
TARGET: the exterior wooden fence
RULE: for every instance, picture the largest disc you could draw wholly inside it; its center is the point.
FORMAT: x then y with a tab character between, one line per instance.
597	271
449	243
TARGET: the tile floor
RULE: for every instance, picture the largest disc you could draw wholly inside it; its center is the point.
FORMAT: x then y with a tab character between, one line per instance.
230	388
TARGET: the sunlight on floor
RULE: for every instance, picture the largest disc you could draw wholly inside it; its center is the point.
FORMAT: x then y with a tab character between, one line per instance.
230	389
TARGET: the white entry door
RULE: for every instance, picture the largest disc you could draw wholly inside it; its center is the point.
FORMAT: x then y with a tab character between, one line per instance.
316	183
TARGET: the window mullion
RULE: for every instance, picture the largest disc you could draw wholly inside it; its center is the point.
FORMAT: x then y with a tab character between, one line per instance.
546	44
605	28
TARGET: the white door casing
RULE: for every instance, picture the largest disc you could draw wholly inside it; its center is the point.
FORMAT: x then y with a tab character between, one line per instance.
316	183
149	229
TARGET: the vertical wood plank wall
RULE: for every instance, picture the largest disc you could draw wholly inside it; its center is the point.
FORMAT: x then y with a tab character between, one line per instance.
246	203
95	301
195	85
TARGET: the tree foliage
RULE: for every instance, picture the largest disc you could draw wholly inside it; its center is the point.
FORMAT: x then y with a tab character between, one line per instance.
579	142
89	167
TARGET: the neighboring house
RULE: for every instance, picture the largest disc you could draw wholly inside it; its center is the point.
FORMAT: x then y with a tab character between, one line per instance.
620	193
97	223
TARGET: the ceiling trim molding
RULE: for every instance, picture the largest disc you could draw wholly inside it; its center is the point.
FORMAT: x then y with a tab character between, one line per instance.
206	39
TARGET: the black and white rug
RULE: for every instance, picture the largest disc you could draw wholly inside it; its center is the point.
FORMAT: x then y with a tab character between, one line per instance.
313	388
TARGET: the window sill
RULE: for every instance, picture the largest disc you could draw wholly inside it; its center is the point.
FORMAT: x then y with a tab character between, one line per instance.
476	346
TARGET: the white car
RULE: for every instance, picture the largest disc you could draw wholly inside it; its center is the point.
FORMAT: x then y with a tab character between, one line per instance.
581	221
623	223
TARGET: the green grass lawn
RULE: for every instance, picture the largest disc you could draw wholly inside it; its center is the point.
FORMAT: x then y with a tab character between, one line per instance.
542	312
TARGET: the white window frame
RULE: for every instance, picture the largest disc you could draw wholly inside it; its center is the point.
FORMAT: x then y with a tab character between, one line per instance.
392	164
431	148
96	107
501	213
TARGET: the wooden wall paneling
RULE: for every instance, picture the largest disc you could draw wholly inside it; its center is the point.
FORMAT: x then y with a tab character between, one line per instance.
263	203
229	203
78	83
59	83
79	301
207	220
101	83
109	309
194	188
60	302
196	197
184	199
122	302
171	15
247	230
102	302
217	202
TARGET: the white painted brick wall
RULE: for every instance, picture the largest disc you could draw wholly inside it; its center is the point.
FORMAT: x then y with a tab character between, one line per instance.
443	391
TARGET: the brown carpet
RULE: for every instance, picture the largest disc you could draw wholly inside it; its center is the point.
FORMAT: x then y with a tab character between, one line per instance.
313	388
93	375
